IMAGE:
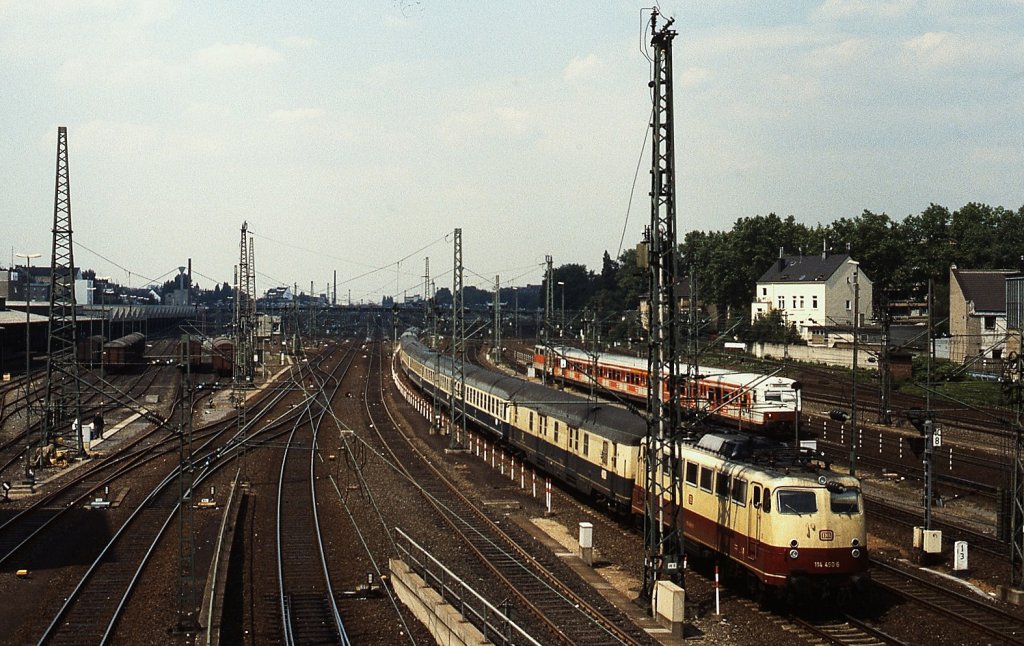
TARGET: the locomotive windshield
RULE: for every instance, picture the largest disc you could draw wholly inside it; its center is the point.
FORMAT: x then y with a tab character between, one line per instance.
797	501
779	396
846	502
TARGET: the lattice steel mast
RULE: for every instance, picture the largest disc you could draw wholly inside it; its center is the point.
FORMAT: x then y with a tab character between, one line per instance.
458	439
663	538
63	393
244	312
549	307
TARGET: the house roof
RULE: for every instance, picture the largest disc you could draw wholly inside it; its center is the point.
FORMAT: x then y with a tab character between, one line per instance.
803	269
985	287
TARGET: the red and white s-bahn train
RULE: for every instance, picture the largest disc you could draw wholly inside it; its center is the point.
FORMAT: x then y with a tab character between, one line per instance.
788	522
745	400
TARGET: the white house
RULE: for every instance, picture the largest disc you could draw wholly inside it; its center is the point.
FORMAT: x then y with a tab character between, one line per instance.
814	292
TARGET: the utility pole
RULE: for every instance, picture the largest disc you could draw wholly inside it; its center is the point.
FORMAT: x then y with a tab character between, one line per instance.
458	439
187	620
856	339
63	393
497	320
663	501
884	375
28	361
549	306
426	295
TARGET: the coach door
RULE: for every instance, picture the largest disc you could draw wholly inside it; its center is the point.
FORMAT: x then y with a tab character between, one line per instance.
754	520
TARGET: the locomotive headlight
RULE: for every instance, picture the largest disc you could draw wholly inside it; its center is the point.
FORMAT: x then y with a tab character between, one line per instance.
855	542
794	544
855	552
794	553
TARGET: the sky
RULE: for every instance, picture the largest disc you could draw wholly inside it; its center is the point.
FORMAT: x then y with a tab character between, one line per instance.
357	136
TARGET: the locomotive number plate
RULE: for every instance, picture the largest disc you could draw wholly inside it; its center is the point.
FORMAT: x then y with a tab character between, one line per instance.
826	535
826	564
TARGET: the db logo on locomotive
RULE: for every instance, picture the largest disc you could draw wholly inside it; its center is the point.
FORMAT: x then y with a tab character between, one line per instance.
826	535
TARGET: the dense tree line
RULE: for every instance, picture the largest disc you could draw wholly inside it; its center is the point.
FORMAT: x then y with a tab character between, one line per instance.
899	256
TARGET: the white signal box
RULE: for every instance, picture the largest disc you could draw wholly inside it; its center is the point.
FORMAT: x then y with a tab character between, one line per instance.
932	541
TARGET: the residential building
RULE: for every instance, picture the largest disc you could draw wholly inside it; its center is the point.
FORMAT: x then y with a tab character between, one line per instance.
815	293
977	314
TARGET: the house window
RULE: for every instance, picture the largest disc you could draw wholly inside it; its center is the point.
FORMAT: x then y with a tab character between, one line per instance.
849	305
794	302
814	302
990	322
782	302
801	302
764	291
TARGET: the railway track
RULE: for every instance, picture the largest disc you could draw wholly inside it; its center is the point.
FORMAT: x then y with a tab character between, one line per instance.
309	610
541	583
91	612
968	611
846	630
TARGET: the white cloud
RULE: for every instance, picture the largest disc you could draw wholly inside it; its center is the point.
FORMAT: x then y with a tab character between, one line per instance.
301	42
221	56
586	68
865	8
300	114
694	76
850	50
947	49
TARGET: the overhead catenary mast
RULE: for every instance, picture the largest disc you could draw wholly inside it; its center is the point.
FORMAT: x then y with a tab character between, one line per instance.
663	538
244	312
458	439
63	392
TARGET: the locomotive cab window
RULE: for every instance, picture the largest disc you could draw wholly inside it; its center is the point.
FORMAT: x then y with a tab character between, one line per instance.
797	501
846	502
722	484
691	474
739	492
705	478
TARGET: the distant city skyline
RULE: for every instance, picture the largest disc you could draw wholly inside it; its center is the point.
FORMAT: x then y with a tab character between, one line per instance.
357	138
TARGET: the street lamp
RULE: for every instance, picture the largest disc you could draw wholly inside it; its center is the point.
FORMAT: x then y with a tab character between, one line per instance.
28	350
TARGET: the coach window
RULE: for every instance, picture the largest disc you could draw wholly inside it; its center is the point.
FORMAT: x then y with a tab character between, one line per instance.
766	500
739	492
797	501
705	478
586	444
755	498
531	421
604	452
722	484
556	432
691	474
